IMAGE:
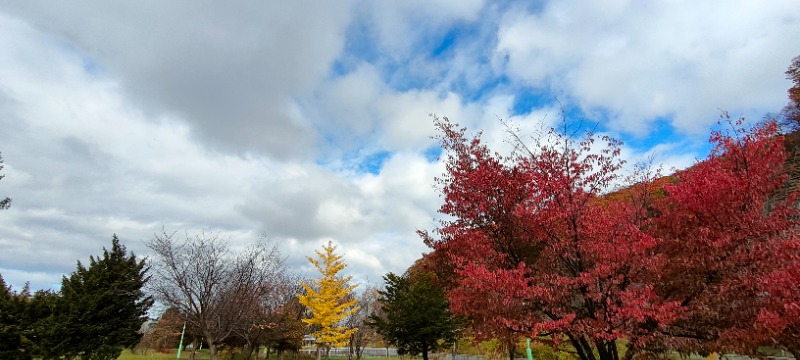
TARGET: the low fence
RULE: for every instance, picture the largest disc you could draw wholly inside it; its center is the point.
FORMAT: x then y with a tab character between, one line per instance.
343	352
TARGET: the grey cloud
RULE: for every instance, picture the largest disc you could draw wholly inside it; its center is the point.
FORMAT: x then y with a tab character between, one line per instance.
290	207
232	70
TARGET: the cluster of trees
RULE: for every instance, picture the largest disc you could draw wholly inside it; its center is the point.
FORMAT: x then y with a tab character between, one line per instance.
411	312
707	259
97	313
240	300
703	260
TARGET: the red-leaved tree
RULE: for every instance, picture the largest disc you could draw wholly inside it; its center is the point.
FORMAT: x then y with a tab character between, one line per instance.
728	227
537	249
701	260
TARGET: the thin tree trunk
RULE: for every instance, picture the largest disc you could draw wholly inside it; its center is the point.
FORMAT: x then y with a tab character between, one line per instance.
247	352
602	350
424	354
582	347
511	349
607	350
194	350
212	348
614	351
350	349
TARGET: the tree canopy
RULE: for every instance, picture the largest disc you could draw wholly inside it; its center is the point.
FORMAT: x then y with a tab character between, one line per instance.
103	306
539	247
224	296
98	312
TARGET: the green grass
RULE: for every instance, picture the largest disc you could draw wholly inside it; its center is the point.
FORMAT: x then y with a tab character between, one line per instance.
152	354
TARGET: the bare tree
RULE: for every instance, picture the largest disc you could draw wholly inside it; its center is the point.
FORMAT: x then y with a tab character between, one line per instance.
215	288
289	328
368	304
265	312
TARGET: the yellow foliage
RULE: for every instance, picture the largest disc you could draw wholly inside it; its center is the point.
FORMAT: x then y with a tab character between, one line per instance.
325	297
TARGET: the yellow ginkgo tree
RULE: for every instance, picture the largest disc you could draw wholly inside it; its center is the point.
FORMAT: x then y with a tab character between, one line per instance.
326	297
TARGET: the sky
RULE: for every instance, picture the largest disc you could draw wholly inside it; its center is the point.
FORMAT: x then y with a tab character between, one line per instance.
309	121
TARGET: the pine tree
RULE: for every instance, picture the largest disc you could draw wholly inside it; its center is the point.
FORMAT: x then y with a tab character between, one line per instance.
325	298
103	306
416	315
12	322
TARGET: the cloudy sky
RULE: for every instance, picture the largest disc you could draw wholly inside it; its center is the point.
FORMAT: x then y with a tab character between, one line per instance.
308	121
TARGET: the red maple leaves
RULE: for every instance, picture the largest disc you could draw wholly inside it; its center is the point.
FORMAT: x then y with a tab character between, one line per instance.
699	259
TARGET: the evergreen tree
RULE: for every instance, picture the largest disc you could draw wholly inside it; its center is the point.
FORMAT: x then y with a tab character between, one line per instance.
416	315
42	332
12	323
102	307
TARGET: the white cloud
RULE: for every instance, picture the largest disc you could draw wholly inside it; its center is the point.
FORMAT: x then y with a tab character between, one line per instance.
402	26
363	111
642	60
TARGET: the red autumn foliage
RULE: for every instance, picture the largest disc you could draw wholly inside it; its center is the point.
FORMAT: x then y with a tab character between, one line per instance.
723	230
702	259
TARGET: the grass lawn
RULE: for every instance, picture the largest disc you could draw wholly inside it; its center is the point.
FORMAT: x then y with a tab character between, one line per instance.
152	354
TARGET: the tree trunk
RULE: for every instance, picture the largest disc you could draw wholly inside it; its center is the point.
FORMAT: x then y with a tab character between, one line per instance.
582	347
511	349
280	354
607	350
350	349
212	348
194	350
247	352
319	352
424	354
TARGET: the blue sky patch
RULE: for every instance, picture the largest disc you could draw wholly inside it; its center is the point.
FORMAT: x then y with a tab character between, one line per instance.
373	163
433	153
528	99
